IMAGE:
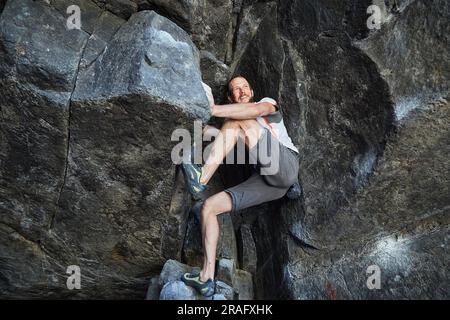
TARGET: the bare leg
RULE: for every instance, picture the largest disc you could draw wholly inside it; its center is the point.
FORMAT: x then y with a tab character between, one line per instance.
215	205
226	140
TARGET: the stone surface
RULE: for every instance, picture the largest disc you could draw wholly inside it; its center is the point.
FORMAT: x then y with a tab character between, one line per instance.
225	290
399	223
177	290
153	291
87	182
247	249
174	289
208	22
340	111
216	74
226	270
85	123
39	62
243	284
249	19
173	271
401	50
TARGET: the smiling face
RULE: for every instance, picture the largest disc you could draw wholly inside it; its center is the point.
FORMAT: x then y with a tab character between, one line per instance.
240	91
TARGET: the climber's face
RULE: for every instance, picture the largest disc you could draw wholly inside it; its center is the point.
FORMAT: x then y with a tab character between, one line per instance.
240	90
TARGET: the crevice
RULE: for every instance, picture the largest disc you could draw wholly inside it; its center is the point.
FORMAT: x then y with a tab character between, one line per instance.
66	165
235	33
52	220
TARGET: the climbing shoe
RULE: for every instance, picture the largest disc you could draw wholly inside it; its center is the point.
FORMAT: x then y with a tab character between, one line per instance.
294	192
206	289
192	173
196	211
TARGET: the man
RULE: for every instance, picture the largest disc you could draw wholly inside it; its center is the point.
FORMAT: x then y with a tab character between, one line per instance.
261	126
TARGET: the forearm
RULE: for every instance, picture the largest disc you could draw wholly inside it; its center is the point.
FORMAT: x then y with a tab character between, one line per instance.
238	111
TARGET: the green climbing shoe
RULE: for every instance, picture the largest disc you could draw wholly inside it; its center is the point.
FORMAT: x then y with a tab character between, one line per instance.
192	174
206	289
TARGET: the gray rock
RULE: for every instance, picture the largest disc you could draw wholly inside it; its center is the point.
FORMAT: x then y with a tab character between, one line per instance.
38	68
192	252
208	22
172	271
177	290
226	270
247	250
243	285
153	290
322	71
121	8
216	74
250	18
225	290
2	5
106	26
227	247
86	117
128	85
85	176
421	77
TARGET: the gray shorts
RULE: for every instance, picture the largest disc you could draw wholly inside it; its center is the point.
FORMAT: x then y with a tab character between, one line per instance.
261	188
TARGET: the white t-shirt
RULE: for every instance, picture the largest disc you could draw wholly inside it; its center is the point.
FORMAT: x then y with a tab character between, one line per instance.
274	123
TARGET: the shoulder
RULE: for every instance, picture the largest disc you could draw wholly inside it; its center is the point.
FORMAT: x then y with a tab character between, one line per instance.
269	100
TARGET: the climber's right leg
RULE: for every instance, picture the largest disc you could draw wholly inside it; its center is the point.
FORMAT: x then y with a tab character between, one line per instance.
197	177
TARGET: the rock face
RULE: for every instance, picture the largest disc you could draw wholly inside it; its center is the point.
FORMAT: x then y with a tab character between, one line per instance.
86	118
342	108
87	182
400	50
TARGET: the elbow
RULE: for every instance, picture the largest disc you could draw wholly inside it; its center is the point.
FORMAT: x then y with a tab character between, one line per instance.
257	112
263	109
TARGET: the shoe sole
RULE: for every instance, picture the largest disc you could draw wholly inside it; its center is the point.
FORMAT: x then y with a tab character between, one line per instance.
197	286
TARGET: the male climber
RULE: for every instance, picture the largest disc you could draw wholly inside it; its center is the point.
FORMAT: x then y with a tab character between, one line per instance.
261	127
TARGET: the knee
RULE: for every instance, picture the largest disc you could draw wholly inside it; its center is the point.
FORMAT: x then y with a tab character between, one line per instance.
232	124
208	209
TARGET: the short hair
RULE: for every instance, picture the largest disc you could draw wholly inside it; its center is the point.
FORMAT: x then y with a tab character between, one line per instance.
231	79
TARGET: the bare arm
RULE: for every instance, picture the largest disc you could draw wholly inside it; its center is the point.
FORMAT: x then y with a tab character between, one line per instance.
209	132
242	111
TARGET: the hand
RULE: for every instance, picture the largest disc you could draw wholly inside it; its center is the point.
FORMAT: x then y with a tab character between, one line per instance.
209	94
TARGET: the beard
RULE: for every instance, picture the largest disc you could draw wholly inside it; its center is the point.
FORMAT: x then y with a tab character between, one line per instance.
250	99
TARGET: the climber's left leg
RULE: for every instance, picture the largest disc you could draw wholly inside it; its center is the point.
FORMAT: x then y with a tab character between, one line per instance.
213	206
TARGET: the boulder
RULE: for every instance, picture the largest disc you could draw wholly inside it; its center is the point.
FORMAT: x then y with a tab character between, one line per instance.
226	270
243	284
86	175
177	290
247	249
208	22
